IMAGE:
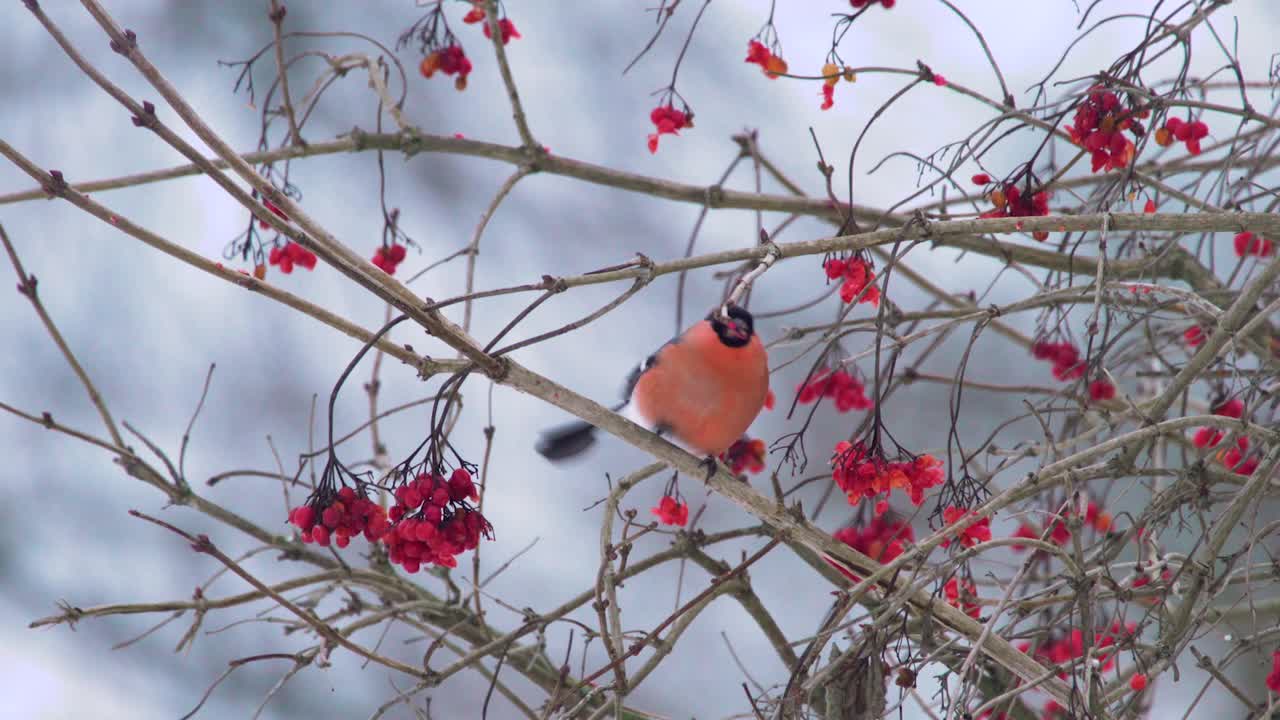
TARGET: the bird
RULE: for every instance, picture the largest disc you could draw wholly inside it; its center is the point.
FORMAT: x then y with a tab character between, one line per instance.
701	390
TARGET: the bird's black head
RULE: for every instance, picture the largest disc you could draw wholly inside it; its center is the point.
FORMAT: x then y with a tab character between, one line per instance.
736	329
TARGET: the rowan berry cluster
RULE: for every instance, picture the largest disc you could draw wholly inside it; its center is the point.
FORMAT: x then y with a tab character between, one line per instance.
831	75
745	455
1008	200
671	511
1246	243
289	255
667	120
273	208
1184	131
1064	356
1099	126
846	390
859	4
449	60
855	274
336	517
1193	336
434	521
431	521
861	474
388	257
1238	459
1210	437
1273	678
1101	389
1063	648
770	63
882	540
968	532
1094	516
963	596
505	27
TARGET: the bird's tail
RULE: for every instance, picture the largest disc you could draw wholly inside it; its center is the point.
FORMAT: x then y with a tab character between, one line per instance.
566	441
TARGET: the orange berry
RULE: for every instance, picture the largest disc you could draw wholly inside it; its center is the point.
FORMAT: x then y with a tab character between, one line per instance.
430	64
998	199
830	74
1164	138
775	66
1103	522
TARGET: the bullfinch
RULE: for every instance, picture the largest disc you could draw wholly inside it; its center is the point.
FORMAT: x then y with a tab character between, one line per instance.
701	390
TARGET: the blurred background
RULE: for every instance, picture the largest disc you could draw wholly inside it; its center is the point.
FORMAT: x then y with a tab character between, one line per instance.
147	328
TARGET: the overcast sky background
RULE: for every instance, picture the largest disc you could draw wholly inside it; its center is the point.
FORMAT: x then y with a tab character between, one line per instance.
146	328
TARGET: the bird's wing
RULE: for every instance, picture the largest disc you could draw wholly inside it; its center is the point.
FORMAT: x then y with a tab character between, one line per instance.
642	368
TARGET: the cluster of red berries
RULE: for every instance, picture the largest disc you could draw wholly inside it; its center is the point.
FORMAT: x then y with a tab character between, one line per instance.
1273	679
745	456
971	532
854	274
1246	243
1193	336
1237	458
881	540
859	4
1009	201
1065	358
338	517
1094	516
861	475
450	60
291	254
433	521
1142	579
847	391
505	27
388	257
1183	131
963	596
1101	389
430	523
831	75
772	65
667	120
671	511
1064	648
273	208
1210	437
1099	127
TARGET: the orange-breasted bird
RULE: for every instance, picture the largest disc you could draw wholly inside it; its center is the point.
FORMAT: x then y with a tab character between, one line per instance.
701	390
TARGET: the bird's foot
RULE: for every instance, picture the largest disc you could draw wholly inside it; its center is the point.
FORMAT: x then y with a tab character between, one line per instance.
710	464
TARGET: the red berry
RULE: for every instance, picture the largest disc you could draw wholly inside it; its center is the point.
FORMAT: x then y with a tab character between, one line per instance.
440	497
461	487
320	534
304	516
